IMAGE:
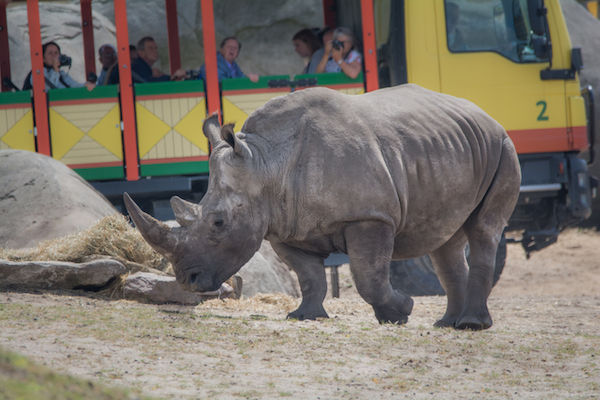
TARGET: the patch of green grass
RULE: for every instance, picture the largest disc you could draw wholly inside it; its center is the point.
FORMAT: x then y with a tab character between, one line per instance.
22	379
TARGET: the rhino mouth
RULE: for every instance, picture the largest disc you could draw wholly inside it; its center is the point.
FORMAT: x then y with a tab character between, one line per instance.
223	290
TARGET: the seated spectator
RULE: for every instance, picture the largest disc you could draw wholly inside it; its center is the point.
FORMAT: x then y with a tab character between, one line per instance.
55	77
141	67
226	65
132	52
107	54
306	44
339	54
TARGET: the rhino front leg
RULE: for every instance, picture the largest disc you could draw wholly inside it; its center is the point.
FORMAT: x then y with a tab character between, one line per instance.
311	276
370	246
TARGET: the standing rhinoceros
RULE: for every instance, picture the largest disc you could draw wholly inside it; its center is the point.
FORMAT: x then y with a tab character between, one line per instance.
396	173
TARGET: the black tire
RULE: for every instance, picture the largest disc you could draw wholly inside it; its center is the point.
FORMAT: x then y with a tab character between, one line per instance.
416	276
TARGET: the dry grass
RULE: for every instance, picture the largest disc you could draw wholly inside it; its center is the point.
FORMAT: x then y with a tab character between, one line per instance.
112	237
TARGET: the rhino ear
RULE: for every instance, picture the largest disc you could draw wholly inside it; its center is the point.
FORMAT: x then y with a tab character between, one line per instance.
158	235
228	135
240	147
185	212
212	129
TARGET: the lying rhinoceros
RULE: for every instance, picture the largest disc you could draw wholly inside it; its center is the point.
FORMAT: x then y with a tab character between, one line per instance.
392	174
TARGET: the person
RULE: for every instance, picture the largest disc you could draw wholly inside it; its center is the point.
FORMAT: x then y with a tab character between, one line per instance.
132	52
226	65
107	54
306	44
141	67
339	54
55	77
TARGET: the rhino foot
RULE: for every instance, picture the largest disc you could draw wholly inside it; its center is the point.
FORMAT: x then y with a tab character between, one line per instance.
474	323
303	313
394	313
444	323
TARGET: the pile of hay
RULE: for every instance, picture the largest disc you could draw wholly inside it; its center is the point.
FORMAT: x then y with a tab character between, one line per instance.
112	237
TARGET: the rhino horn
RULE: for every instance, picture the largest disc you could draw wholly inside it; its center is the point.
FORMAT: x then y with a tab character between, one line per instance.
185	211
157	234
212	129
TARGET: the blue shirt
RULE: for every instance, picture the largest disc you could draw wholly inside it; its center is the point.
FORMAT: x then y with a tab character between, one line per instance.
226	70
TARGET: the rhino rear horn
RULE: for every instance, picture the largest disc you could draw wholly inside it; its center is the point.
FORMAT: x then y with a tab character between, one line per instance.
212	129
185	211
158	235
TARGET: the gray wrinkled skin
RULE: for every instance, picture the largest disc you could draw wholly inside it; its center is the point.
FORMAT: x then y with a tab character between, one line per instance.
391	174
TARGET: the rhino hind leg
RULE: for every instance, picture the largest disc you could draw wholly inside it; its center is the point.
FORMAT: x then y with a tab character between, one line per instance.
484	231
451	269
311	276
370	246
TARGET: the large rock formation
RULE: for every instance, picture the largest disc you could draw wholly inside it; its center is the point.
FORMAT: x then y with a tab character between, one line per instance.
41	199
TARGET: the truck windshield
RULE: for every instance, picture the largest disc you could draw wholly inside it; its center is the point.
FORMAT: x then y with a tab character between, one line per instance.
500	26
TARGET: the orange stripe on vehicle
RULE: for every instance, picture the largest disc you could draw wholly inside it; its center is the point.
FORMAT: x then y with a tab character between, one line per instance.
83	101
255	91
169	96
549	140
172	160
15	105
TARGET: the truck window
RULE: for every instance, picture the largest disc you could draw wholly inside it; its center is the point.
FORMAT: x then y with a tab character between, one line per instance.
500	26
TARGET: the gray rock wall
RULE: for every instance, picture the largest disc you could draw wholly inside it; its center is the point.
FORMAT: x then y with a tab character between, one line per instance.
264	27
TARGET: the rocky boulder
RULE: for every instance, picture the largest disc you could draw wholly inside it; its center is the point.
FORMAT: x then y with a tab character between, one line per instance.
41	199
55	275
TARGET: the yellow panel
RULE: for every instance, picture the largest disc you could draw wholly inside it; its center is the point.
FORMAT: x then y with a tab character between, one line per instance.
577	115
88	151
173	145
511	92
233	114
9	117
107	132
84	116
421	44
359	90
20	135
151	129
64	135
191	124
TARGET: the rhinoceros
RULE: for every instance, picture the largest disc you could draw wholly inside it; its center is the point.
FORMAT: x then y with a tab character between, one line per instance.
391	174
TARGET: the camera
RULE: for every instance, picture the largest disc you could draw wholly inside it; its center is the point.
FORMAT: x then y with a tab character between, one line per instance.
65	60
337	44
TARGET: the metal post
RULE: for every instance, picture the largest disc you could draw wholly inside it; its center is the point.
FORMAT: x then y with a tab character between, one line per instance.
173	33
210	58
37	73
126	91
87	29
4	49
370	47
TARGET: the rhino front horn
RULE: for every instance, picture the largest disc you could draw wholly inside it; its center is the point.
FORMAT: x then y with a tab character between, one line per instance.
158	235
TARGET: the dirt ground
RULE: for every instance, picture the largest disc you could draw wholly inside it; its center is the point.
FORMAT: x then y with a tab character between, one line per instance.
545	342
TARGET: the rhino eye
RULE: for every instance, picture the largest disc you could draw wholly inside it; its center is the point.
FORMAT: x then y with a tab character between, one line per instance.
218	223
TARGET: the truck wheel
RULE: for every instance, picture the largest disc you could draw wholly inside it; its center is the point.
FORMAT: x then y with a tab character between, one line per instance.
416	276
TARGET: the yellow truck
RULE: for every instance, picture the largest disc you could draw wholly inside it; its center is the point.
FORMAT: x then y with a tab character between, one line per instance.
514	59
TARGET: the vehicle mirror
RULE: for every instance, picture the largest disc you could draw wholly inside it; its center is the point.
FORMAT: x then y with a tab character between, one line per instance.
537	16
576	59
541	47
